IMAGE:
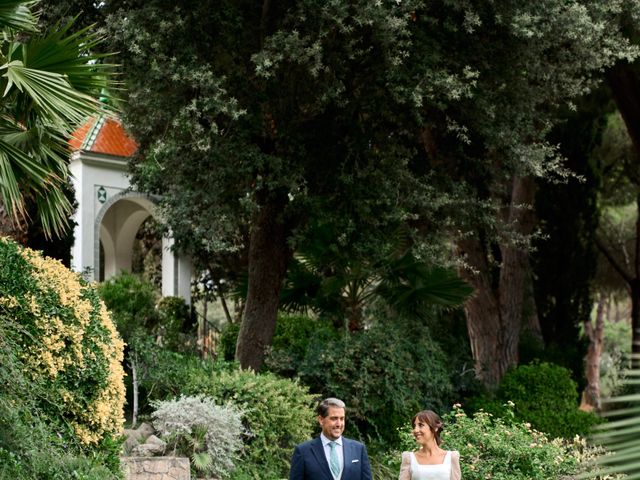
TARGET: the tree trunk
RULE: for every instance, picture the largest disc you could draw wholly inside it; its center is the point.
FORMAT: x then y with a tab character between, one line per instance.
484	318
515	265
269	255
595	333
135	386
10	227
494	315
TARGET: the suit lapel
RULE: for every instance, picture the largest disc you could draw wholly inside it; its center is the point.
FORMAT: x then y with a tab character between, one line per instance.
348	456
321	458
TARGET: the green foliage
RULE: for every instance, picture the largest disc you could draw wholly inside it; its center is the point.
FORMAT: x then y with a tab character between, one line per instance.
207	433
384	374
293	336
277	415
61	392
228	340
615	349
245	113
30	446
132	303
492	448
291	340
174	323
340	283
162	373
544	395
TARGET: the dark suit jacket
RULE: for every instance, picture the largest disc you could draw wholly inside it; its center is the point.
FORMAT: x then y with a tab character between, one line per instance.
310	463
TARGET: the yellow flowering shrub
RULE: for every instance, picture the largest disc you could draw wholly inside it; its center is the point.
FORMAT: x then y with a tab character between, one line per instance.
67	341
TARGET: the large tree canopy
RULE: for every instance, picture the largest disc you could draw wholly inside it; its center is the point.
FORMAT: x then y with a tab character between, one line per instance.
256	118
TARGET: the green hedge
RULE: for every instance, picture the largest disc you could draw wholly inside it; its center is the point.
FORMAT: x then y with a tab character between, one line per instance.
544	395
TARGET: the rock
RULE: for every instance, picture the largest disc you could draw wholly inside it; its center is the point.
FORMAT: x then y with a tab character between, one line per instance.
137	437
153	446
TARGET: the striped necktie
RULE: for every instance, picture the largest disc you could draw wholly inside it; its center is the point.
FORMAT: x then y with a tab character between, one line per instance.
334	463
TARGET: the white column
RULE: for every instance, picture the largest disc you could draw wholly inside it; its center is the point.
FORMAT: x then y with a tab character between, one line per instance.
176	272
82	252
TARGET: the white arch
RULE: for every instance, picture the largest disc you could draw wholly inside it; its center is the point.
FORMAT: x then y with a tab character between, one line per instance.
119	220
117	224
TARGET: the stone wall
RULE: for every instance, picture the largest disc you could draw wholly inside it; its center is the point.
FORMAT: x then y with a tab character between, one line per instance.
156	468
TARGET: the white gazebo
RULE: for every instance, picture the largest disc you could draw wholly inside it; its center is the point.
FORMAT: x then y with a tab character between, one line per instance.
109	212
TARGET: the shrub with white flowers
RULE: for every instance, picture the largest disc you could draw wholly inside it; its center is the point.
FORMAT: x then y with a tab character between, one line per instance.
195	426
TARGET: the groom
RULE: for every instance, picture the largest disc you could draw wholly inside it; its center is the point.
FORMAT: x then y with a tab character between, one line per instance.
330	456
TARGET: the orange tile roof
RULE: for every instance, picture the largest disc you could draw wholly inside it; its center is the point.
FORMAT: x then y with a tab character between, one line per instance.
103	135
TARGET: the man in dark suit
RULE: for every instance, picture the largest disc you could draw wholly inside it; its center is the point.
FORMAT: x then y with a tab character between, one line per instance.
330	456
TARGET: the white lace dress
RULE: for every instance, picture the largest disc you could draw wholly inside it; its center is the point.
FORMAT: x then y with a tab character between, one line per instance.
441	471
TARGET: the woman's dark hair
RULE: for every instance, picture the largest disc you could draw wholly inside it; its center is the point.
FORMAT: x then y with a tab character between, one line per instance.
432	419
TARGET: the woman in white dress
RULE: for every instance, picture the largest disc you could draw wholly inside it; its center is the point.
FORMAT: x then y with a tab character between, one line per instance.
429	462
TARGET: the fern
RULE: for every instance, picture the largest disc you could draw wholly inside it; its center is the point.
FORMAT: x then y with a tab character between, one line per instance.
202	461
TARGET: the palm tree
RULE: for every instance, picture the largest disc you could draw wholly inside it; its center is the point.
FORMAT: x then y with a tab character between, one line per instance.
337	284
48	84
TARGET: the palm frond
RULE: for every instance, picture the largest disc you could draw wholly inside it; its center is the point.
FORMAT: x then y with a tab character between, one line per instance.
72	55
202	461
51	93
411	285
620	437
54	210
17	15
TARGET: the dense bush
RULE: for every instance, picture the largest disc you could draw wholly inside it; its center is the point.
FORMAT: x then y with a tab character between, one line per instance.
30	448
163	373
291	340
62	391
175	327
492	448
207	433
228	339
277	414
544	395
132	303
383	374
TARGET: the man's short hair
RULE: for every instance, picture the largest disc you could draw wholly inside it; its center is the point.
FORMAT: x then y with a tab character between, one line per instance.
323	406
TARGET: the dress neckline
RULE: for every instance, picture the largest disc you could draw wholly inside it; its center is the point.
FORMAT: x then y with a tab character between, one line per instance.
444	460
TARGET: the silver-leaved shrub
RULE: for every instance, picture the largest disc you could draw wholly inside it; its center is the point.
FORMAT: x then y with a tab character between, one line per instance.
210	434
